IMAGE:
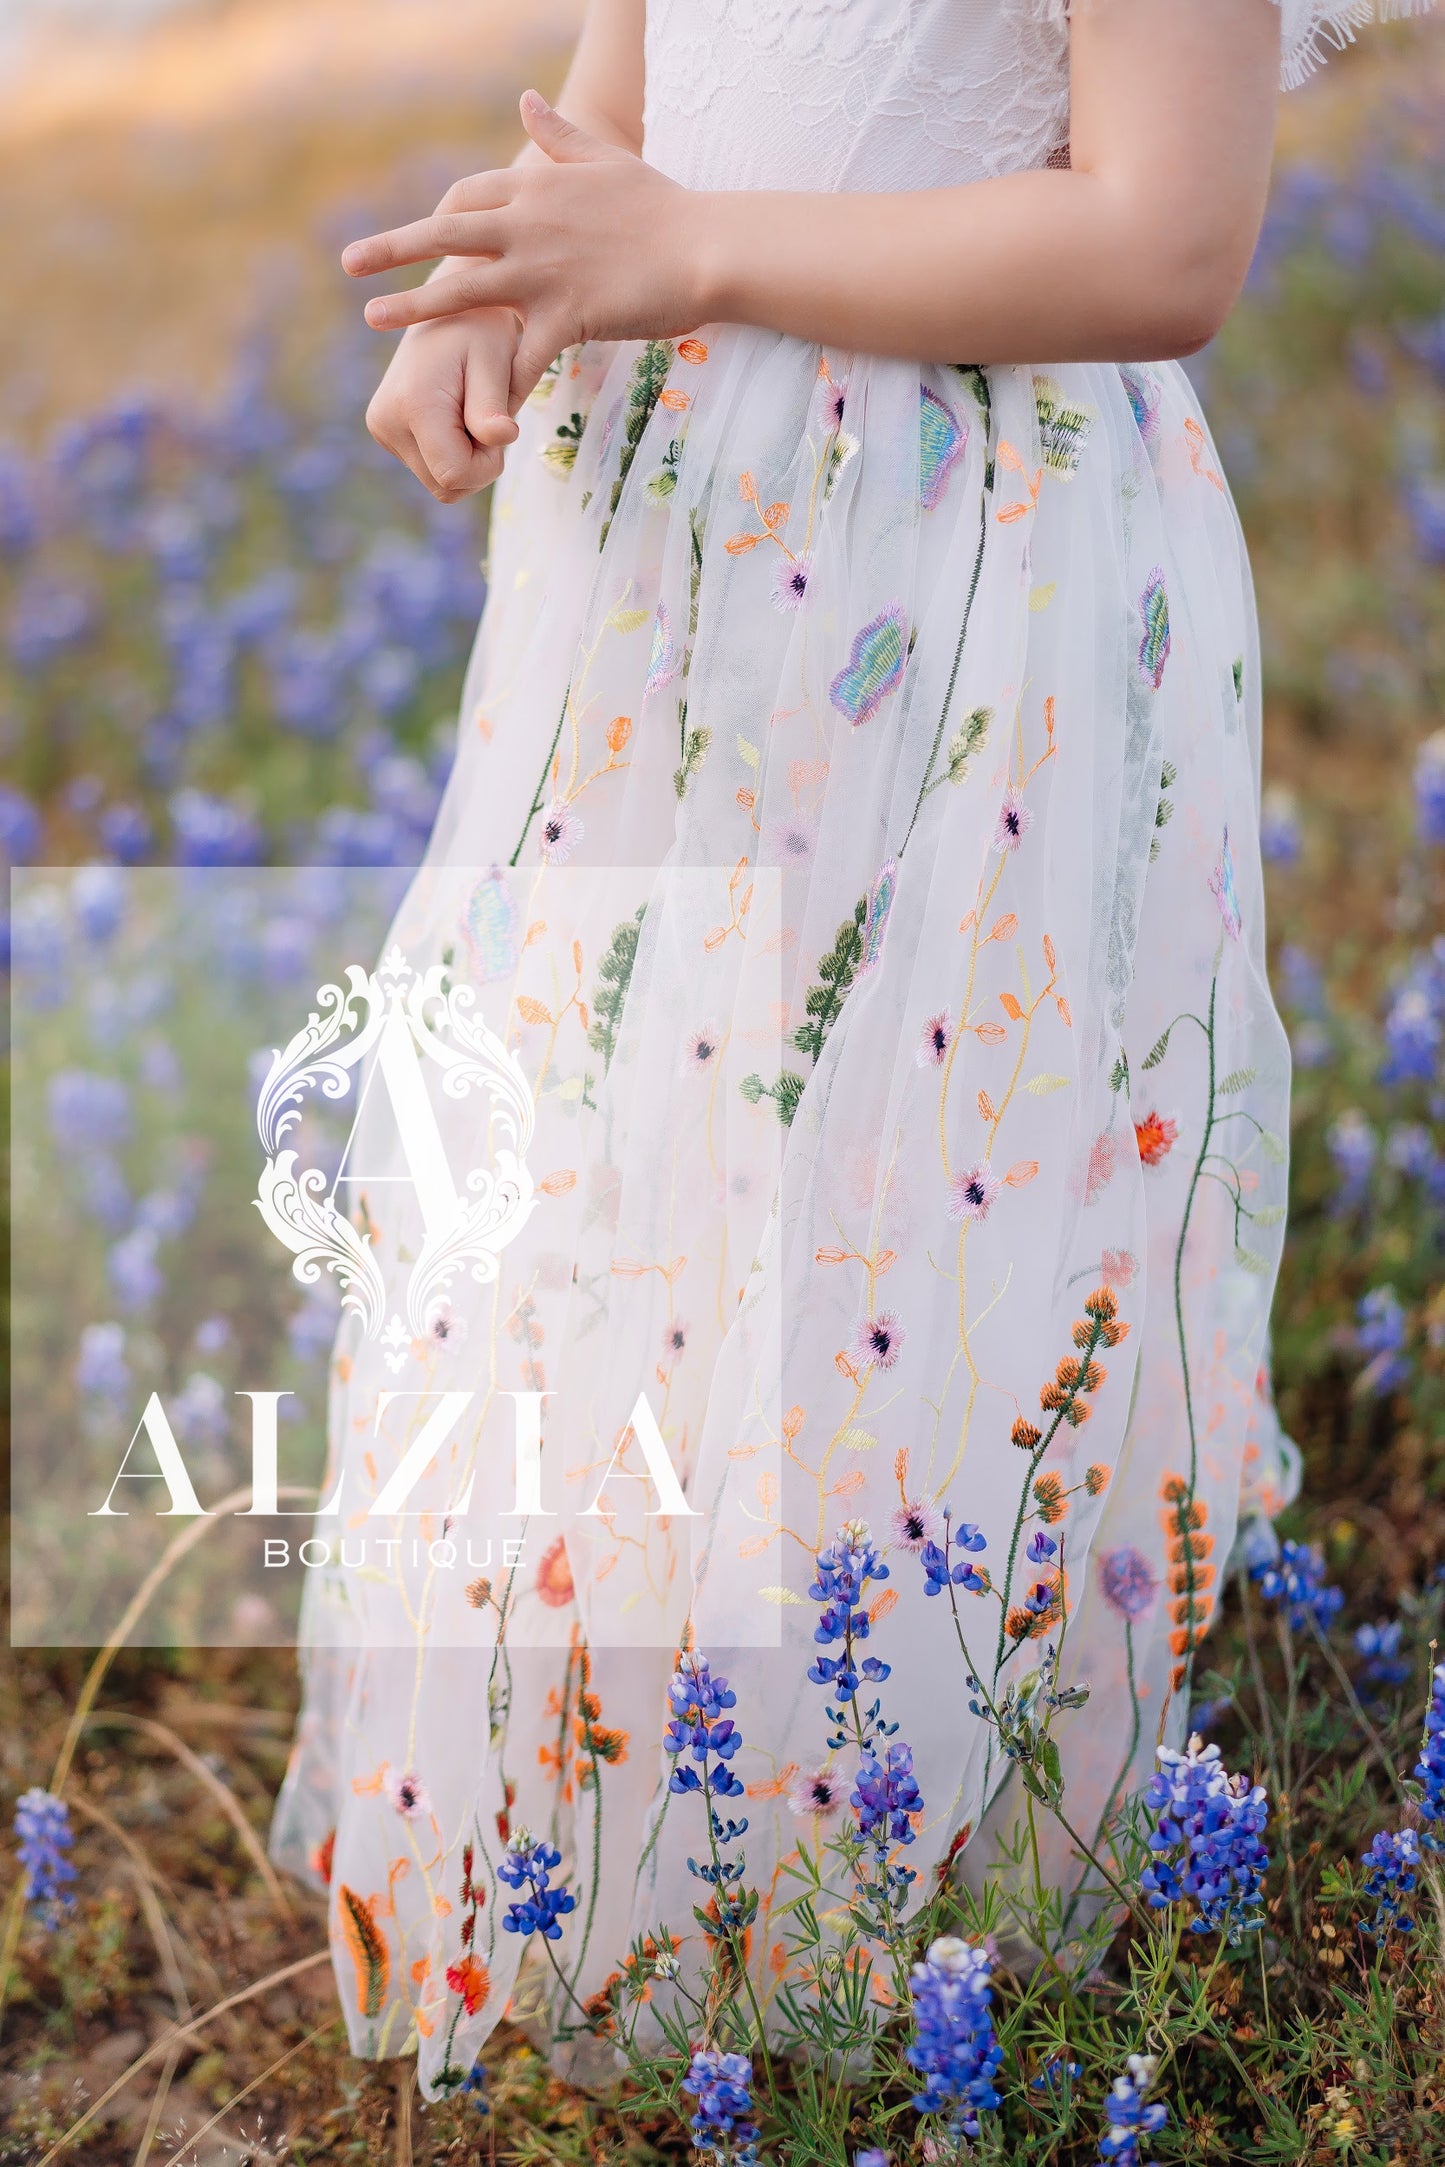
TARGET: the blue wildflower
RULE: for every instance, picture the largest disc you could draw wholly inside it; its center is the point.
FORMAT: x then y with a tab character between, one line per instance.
529	1865
722	2085
885	1794
1206	1841
936	1559
101	1369
1279	828
700	1727
44	1836
475	2088
1429	1770
1390	1876
955	2048
844	1569
1379	1645
1128	2117
1380	1333
1353	1145
1296	1579
1430	789
1056	2071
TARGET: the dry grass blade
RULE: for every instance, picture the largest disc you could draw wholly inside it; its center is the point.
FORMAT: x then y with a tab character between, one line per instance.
224	1796
157	2108
150	1879
182	2032
178	2158
404	2156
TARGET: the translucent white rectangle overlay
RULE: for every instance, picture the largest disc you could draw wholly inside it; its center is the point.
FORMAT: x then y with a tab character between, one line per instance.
392	1254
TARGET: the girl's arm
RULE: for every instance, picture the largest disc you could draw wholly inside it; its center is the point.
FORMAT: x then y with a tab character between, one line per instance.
1138	251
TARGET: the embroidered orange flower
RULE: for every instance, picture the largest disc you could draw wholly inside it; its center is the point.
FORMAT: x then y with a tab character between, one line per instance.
321	1857
1156	1135
472	1981
554	1576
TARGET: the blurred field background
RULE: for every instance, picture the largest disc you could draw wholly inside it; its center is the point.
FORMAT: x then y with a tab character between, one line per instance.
232	633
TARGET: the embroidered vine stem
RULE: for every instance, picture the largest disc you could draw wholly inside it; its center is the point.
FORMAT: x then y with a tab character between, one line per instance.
540	795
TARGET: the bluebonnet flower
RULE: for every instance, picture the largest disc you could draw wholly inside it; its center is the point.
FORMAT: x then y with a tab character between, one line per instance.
88	1112
1429	1770
101	1369
1430	789
1296	1579
208	831
475	2087
700	1727
44	1836
722	2128
1057	2070
1127	2116
844	1569
1390	1864
1380	1333
1353	1145
20	826
1379	1645
1410	1150
885	1795
939	1570
1206	1841
528	1865
97	896
1413	1026
134	1272
48	619
1279	829
1425	507
955	2048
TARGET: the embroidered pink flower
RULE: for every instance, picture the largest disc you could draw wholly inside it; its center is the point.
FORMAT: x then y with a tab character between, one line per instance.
1118	1267
554	1575
674	1340
817	1793
701	1049
1014	821
794	841
1156	1135
1103	1156
561	832
970	1194
938	1035
911	1525
790	582
407	1795
878	1340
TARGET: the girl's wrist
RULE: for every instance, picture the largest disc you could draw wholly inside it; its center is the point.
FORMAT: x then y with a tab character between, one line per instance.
715	266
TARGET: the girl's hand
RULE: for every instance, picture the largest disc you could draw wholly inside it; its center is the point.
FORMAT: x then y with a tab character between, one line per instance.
443	406
585	242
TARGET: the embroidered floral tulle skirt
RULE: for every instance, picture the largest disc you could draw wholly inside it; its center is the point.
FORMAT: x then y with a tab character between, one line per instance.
964	664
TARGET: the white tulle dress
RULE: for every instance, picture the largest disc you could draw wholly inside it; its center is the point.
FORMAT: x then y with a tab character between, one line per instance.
955	672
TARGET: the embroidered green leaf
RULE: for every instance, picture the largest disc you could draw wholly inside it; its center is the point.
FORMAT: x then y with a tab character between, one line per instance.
1249	1262
749	754
1040	597
967	741
1270	1216
1238	1079
649	376
1119	1074
779	1596
614	975
629	620
785	1093
694	745
1158	1050
854	1439
835	975
1045	1082
1273	1146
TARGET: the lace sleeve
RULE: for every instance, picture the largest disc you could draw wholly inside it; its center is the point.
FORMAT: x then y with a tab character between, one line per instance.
1312	29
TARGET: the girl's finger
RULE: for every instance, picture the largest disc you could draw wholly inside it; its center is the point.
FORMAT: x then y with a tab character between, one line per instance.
481	285
452	232
456	464
542	340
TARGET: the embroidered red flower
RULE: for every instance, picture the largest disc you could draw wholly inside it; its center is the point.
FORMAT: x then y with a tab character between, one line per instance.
472	1981
554	1576
1156	1135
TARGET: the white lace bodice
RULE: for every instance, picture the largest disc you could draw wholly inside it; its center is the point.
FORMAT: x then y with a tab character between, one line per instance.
887	94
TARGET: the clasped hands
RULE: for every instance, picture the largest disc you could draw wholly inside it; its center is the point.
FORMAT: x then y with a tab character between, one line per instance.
586	242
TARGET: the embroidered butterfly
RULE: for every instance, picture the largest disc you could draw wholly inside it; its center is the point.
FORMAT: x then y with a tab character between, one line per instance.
880	902
489	930
1226	895
1145	393
875	666
941	440
1154	647
662	661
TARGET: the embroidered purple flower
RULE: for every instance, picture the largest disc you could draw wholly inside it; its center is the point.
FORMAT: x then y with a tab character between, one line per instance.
561	832
938	1035
954	2047
701	1728
529	1865
1127	1583
885	1795
662	662
1015	818
1296	1578
1206	1841
877	1340
875	666
408	1796
793	842
1221	880
817	1793
1041	1548
971	1193
1127	2117
44	1837
722	2128
1390	1871
913	1525
790	582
